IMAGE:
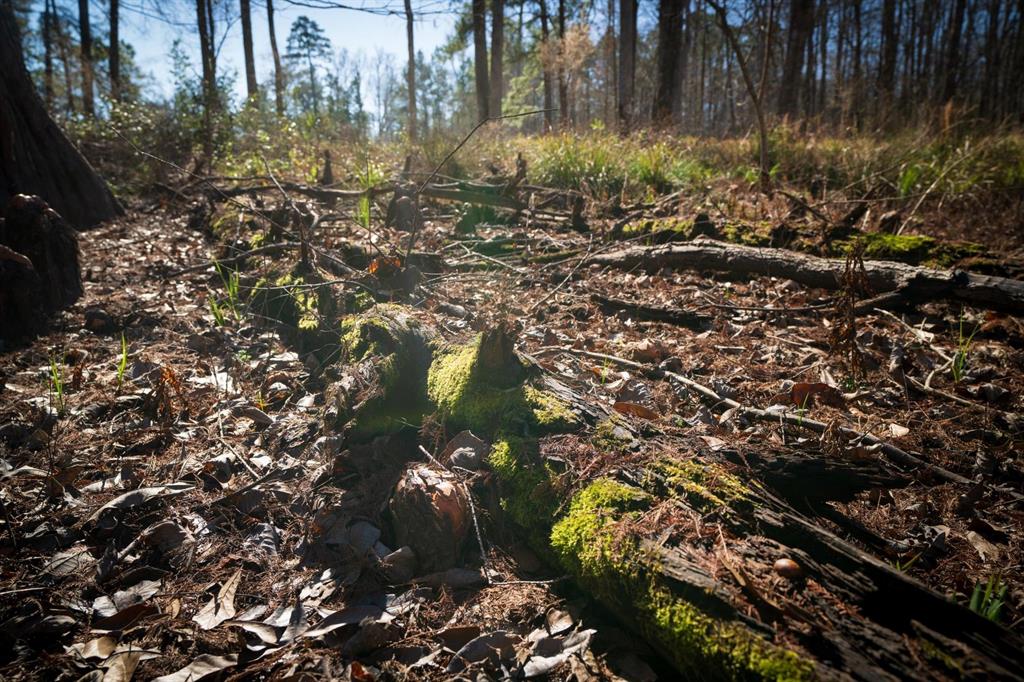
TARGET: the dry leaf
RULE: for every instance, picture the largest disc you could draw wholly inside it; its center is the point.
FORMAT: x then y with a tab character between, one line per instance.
221	607
635	410
201	667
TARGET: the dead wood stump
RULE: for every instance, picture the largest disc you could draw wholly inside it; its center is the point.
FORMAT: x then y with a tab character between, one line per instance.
430	514
39	269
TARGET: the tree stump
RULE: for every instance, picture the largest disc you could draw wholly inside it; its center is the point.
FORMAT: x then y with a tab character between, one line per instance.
39	270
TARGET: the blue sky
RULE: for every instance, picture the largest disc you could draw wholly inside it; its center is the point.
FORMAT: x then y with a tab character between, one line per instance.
356	31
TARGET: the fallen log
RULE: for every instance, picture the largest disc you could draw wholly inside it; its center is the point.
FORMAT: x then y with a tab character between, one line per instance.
705	557
913	283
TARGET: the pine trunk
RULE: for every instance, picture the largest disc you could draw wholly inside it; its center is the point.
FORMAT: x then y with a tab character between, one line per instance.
35	156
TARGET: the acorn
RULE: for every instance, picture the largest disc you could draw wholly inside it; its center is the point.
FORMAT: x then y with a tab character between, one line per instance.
788	569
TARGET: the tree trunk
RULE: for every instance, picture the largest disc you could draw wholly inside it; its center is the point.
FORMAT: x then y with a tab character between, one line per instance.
251	85
801	23
206	51
65	58
278	72
627	62
887	61
953	51
610	87
35	156
563	85
85	43
916	284
483	91
39	271
549	94
497	82
48	56
114	59
410	72
670	45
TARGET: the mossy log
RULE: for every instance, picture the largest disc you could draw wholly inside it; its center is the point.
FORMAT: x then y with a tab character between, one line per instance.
385	353
915	284
680	541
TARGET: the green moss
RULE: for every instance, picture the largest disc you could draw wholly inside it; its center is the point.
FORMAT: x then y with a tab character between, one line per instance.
389	337
590	543
935	653
706	486
472	215
528	491
670	228
610	436
914	249
749	235
466	398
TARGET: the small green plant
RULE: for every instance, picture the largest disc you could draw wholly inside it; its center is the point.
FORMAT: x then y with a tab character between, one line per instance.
902	566
988	598
122	364
218	312
231	286
57	385
963	348
368	179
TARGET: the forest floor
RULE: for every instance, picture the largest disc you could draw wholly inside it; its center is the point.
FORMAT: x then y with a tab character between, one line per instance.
172	504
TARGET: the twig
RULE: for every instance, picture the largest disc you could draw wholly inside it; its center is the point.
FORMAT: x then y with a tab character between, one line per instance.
437	169
890	450
566	279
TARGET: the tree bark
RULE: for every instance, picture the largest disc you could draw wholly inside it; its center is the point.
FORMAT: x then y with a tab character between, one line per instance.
47	35
85	44
887	62
497	82
410	73
952	67
627	62
483	91
917	284
207	56
39	270
670	45
801	23
278	72
65	58
35	156
549	94
114	59
563	85
251	85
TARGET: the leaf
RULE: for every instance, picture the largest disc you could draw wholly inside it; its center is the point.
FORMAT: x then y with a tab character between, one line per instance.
803	394
139	496
635	410
384	266
101	647
121	667
202	666
898	431
126	617
221	607
76	560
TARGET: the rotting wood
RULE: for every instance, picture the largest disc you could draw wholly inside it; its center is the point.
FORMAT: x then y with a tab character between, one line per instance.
914	283
683	318
710	601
